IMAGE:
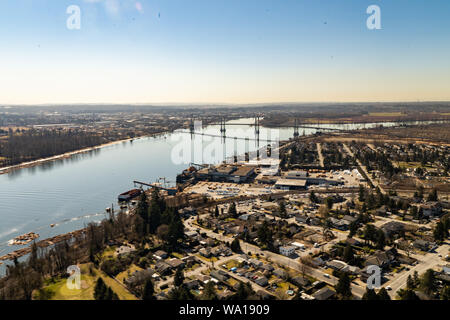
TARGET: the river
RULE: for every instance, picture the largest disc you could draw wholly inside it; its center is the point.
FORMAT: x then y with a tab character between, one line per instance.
74	191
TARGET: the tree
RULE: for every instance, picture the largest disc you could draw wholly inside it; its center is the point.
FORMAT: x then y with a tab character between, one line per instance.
216	211
348	254
142	207
282	209
369	232
408	294
209	293
433	196
343	286
243	292
380	239
428	282
178	279
313	198
100	289
353	228
265	235
236	246
163	232
439	232
445	293
329	202
361	194
370	294
383	294
232	210
410	283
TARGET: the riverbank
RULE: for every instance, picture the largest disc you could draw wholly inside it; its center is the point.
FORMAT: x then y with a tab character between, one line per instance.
66	155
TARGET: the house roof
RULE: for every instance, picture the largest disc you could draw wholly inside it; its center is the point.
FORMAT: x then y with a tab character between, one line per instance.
324	293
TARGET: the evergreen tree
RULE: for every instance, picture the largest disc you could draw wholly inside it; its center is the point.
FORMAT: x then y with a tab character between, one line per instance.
232	210
409	295
178	279
380	239
370	294
313	198
100	289
142	207
348	254
209	293
433	196
236	246
428	282
410	283
216	211
148	291
383	294
343	286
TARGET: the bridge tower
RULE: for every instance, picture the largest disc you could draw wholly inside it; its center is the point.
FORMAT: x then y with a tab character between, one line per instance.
191	125
296	134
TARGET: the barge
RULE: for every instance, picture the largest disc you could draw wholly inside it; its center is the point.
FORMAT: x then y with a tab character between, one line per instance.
127	196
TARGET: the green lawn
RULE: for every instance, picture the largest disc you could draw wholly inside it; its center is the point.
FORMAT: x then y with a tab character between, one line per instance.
60	291
124	274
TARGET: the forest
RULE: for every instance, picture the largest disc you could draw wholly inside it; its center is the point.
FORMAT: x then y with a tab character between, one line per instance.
28	145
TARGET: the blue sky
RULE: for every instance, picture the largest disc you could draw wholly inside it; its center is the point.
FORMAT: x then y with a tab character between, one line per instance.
231	51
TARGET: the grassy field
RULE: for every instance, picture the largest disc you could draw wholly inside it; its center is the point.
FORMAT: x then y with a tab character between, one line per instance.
59	290
385	114
124	274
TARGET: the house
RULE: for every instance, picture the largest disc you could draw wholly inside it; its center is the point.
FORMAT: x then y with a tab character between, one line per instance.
302	219
267	267
324	294
245	216
206	252
163	268
138	277
340	224
446	269
431	209
301	281
352	242
287	251
393	228
349	218
191	234
262	281
192	284
125	249
187	211
424	245
219	275
176	263
160	255
255	263
263	295
336	264
280	273
381	259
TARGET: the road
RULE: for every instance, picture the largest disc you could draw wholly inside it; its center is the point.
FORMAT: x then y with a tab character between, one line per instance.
364	169
427	261
199	270
319	152
277	258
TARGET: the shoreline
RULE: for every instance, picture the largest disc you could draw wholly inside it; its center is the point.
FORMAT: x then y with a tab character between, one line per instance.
29	164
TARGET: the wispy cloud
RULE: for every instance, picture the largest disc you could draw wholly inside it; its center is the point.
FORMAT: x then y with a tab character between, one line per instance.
115	7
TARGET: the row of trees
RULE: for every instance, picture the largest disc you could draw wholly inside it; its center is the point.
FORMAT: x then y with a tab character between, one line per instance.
155	217
103	292
35	144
